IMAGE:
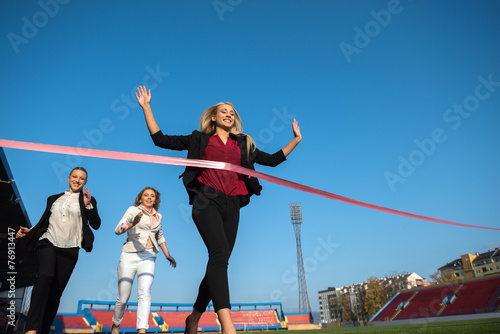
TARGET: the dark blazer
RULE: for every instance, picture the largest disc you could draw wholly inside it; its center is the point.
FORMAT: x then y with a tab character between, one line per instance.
196	143
89	217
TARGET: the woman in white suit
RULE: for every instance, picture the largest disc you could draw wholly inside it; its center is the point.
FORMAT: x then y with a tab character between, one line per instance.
145	238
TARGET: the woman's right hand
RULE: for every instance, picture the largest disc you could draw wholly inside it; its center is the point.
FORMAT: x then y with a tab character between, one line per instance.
22	232
126	226
137	219
144	96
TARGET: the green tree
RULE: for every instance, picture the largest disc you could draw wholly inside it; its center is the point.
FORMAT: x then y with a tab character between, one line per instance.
376	296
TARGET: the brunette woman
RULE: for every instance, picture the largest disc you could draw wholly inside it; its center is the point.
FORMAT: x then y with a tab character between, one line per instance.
142	222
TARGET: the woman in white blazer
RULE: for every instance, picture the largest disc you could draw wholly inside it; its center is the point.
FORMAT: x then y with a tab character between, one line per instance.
144	240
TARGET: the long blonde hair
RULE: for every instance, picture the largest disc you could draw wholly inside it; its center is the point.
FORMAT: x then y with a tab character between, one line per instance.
208	126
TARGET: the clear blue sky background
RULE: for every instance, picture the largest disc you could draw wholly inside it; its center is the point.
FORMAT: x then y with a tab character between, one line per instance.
376	86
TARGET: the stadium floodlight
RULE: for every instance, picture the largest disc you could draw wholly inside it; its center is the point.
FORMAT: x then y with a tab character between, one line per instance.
296	217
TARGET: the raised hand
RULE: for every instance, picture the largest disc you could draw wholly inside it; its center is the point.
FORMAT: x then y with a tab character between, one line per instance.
126	226
137	219
296	129
86	197
297	137
143	96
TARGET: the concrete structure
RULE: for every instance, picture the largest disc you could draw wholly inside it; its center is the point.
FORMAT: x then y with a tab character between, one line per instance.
470	266
324	307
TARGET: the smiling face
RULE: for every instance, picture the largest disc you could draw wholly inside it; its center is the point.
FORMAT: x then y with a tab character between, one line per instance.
148	199
224	117
77	180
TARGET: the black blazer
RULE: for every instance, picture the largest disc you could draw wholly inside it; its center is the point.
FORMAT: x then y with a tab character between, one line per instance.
89	217
196	143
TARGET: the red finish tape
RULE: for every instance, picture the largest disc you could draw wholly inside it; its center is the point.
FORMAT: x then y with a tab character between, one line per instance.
87	152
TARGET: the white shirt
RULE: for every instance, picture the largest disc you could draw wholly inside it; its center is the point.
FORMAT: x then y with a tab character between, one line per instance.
65	222
138	235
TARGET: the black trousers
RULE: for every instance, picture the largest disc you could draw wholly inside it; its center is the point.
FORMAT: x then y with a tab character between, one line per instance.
55	266
216	216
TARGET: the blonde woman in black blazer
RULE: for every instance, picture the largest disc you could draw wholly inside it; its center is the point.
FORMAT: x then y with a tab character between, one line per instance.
216	195
63	229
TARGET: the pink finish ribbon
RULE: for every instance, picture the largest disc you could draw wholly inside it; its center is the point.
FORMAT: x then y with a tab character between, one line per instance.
212	164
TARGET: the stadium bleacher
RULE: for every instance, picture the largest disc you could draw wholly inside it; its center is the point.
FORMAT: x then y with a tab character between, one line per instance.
176	320
129	321
472	297
248	319
475	297
298	318
96	316
75	324
426	303
391	310
300	321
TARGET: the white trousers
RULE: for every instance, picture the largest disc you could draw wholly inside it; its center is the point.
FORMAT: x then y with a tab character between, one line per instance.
142	264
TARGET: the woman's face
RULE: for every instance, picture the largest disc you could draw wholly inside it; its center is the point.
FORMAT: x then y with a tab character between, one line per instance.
148	198
224	117
77	180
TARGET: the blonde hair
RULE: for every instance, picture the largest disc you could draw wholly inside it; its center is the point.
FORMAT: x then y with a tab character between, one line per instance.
208	126
156	205
80	168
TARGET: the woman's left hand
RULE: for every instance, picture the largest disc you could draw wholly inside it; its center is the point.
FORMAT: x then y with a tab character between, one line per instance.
86	197
22	232
296	130
124	228
297	137
171	260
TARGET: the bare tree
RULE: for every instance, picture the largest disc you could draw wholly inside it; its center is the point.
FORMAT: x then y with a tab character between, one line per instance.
359	306
347	313
336	308
444	278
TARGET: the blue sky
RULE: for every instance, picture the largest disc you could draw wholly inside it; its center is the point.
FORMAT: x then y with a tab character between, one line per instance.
398	103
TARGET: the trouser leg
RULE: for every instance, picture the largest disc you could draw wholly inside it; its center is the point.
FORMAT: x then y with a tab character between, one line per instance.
217	221
127	268
145	277
55	266
66	261
46	260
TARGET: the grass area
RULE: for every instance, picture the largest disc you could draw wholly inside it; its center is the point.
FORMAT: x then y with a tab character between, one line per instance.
482	326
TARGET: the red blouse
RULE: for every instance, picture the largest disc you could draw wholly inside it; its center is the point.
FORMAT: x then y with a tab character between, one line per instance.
229	183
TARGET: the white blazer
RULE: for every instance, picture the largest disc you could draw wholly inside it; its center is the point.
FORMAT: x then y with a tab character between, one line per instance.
137	236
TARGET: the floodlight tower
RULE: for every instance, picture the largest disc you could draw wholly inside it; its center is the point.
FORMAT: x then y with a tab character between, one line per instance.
296	217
